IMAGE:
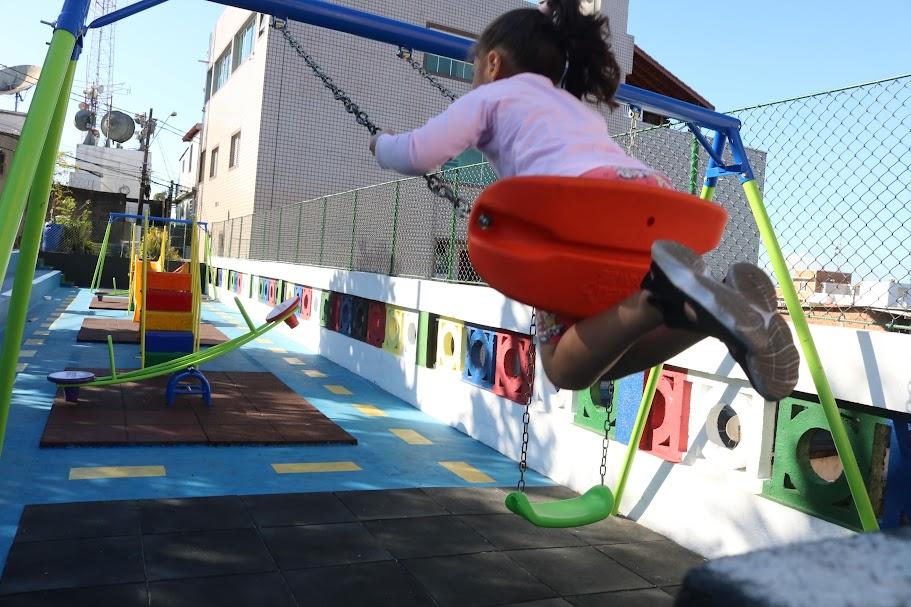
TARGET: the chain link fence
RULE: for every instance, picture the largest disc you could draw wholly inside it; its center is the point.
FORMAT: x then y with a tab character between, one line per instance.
833	168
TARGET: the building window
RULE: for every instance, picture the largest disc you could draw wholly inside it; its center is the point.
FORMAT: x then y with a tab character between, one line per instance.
222	70
208	85
243	43
262	23
213	163
201	167
478	174
234	151
446	67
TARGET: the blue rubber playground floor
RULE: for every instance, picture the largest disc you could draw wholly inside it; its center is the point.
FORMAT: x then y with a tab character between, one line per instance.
411	515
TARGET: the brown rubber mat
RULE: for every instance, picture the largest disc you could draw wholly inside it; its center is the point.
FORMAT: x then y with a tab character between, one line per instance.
247	408
125	331
112	303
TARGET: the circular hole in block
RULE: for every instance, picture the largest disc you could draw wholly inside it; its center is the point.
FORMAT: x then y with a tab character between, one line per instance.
818	455
412	333
305	300
603	393
449	344
658	411
478	354
511	363
728	426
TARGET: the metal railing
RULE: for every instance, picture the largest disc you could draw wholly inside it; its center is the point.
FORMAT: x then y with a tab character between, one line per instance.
833	168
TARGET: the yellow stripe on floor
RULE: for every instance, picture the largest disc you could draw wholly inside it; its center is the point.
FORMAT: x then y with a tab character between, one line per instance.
278	350
43	333
411	437
293	361
21	367
82	474
371	411
315	467
466	472
266	340
340	390
27	353
315	374
34	342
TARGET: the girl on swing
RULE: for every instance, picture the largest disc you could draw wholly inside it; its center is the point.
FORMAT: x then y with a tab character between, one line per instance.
533	69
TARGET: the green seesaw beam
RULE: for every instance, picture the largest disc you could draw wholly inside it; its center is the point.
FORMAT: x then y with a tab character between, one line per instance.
191	360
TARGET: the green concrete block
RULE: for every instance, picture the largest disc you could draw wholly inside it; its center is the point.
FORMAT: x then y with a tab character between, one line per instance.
324	308
800	426
156	358
591	410
427	339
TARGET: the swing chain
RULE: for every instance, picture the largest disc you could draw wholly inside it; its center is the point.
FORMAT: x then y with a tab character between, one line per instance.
634	115
408	56
607	425
350	106
526	416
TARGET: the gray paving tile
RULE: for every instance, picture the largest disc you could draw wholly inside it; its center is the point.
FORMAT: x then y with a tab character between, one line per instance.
616	530
289	509
193	514
121	595
267	589
427	536
395	503
647	597
511	532
490	578
577	570
366	585
74	563
662	563
205	553
469	500
323	545
78	520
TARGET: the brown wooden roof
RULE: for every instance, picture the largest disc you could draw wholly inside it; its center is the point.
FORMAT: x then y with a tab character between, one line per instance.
650	75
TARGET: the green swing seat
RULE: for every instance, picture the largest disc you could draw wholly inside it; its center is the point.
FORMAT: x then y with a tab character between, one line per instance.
592	506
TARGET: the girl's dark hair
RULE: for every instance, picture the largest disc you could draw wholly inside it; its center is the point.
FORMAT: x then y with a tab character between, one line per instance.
566	41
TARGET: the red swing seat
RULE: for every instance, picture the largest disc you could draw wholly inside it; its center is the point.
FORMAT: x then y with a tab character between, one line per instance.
578	246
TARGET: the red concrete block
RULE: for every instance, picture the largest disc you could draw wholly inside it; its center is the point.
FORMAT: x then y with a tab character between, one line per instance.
376	324
306	299
335	311
667	429
513	378
169	301
273	290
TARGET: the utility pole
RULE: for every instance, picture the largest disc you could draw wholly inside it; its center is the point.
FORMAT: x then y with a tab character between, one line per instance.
170	202
144	186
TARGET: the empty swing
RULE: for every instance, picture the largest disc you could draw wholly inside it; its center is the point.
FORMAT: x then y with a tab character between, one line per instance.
572	245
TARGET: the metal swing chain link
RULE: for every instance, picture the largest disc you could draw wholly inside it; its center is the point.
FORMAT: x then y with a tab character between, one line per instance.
633	123
407	55
526	416
605	443
435	182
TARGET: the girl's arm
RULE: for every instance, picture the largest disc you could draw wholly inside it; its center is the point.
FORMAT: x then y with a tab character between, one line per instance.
463	125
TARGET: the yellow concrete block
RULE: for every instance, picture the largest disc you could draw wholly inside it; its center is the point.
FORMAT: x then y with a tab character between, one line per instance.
315	374
466	472
169	321
411	437
452	341
302	468
371	411
82	474
340	390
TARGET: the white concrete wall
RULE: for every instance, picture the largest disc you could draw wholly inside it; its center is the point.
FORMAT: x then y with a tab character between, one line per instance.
108	169
709	503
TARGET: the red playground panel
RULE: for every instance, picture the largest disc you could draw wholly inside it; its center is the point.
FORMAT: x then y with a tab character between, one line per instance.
513	378
667	429
376	324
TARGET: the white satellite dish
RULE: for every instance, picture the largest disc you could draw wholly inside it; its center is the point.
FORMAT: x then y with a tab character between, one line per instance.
14	80
118	126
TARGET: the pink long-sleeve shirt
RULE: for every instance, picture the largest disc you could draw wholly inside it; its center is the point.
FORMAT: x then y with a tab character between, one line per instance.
524	125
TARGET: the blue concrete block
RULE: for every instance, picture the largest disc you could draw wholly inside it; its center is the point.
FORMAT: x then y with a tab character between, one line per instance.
628	392
897	498
480	358
169	341
346	315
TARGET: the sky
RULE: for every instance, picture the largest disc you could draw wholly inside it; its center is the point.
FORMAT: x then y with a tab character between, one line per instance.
773	51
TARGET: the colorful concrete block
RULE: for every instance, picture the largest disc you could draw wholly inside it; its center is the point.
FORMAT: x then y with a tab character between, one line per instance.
168	321
306	299
346	314
628	396
376	324
897	499
324	309
411	321
156	358
394	330
667	428
272	291
596	405
451	345
169	301
803	446
168	281
513	378
169	341
480	362
360	316
427	339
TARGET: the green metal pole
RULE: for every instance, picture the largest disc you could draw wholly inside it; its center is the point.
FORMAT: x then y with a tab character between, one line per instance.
111	357
353	233
33	141
243	312
99	265
145	287
395	227
826	398
694	166
28	247
645	407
